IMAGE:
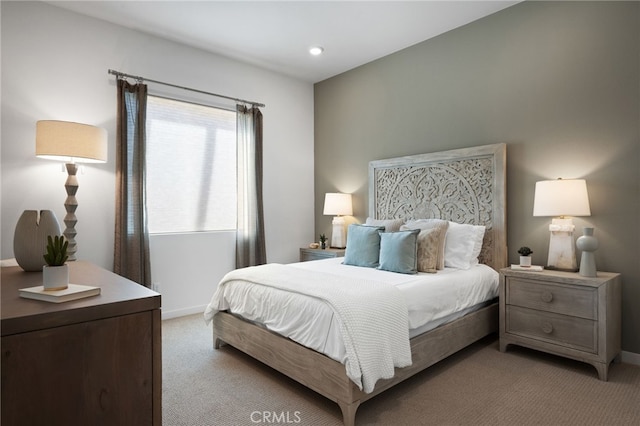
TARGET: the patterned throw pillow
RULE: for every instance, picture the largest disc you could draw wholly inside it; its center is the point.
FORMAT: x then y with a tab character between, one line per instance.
439	239
428	244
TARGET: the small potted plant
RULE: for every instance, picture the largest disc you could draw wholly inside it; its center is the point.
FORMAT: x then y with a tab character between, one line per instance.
323	241
55	274
525	256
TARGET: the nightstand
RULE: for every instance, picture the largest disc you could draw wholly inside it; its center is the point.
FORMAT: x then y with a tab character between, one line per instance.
562	313
307	253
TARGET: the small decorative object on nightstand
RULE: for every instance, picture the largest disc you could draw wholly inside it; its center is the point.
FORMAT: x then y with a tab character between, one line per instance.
317	254
588	244
525	256
563	313
323	241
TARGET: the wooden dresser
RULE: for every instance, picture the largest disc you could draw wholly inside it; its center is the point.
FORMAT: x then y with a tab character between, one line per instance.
91	361
563	313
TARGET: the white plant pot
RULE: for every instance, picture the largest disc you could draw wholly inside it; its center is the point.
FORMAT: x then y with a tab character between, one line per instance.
525	261
55	277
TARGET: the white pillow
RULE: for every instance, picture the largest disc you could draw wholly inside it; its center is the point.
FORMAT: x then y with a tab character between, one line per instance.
390	225
462	245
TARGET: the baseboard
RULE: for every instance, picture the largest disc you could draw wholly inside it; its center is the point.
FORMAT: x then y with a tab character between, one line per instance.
630	358
183	312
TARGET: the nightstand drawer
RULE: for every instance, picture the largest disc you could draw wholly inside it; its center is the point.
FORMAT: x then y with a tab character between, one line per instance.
568	300
577	333
307	254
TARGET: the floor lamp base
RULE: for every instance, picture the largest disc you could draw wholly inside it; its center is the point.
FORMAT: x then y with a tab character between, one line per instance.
70	205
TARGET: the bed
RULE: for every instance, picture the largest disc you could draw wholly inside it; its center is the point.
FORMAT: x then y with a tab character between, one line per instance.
464	186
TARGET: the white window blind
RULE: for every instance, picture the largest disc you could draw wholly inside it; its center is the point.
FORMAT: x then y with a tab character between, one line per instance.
191	167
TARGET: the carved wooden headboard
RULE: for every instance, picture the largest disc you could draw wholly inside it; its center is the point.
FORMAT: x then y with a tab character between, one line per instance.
463	185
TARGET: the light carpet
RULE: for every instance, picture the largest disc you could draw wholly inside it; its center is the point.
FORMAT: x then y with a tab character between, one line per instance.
477	386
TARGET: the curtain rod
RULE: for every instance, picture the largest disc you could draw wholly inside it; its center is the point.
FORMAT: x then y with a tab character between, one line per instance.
135	77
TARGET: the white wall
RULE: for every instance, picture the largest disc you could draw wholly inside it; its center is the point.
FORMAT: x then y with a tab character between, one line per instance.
54	66
203	259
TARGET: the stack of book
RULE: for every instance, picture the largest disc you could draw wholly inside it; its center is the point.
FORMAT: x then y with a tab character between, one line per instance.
72	292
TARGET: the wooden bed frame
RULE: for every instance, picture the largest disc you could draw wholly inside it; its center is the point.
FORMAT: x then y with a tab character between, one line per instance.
464	185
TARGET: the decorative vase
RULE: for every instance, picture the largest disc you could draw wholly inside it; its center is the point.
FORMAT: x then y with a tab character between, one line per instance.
30	238
525	261
55	277
588	244
323	245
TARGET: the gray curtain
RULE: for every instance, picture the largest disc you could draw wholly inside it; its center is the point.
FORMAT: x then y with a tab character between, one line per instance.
250	245
131	250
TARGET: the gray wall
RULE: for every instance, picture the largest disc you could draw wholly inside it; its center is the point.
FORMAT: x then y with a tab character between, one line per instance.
558	82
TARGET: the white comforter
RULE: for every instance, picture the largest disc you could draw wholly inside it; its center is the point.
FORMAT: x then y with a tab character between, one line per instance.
431	300
372	315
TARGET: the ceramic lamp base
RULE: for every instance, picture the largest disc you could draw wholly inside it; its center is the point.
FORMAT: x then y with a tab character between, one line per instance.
338	234
562	251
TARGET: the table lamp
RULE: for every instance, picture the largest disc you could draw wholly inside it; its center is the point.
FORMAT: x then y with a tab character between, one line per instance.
338	204
561	198
72	143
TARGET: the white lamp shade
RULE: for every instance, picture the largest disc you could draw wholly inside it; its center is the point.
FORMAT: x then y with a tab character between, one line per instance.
561	197
64	140
337	204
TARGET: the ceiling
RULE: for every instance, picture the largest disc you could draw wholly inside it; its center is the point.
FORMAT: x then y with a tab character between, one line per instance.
277	35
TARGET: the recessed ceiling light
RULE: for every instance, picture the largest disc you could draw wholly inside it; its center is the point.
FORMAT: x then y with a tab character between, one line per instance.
316	50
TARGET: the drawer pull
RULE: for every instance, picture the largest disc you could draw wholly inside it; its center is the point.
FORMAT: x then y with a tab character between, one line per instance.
546	296
547	327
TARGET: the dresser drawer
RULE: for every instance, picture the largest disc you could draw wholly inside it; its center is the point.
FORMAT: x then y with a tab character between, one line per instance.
577	333
578	301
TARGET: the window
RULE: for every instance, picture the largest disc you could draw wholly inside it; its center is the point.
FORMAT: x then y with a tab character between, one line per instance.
191	167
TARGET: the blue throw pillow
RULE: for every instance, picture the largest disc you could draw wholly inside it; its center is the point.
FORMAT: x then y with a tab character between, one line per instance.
363	245
398	251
